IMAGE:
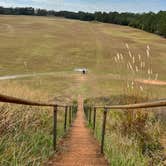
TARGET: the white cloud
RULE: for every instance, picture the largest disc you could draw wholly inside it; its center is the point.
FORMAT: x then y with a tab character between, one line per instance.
5	3
90	6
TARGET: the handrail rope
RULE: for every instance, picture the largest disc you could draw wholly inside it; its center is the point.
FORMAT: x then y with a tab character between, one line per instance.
160	103
15	100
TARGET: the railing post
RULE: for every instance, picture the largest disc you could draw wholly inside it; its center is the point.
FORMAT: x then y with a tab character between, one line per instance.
75	111
90	111
87	113
65	123
55	127
70	115
94	118
103	129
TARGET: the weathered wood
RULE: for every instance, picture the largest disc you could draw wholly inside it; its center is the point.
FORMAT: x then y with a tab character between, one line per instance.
90	113
15	100
75	111
88	108
65	122
94	118
159	103
103	129
86	111
55	127
70	115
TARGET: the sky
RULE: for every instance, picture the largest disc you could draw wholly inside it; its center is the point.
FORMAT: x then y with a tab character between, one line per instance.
91	5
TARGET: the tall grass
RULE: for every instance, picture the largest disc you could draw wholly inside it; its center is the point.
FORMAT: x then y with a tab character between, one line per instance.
132	136
25	131
138	68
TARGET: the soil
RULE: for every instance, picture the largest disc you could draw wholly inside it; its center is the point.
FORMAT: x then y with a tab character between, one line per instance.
80	148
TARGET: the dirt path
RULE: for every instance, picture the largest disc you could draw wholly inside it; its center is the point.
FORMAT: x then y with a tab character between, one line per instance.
10	77
80	147
152	82
82	78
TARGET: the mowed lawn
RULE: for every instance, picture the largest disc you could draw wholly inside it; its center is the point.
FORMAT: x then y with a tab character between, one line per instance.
49	44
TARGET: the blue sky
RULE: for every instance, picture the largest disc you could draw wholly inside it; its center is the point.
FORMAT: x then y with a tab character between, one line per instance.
91	5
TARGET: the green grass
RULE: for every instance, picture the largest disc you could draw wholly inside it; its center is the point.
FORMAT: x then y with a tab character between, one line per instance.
132	137
27	132
122	151
125	150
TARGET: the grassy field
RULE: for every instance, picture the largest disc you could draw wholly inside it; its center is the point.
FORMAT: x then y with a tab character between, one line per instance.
41	44
48	44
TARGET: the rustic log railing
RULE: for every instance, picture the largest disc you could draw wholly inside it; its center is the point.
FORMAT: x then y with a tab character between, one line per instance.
88	112
72	109
70	112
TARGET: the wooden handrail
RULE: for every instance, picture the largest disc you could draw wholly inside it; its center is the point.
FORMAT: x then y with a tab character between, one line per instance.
160	103
87	109
15	100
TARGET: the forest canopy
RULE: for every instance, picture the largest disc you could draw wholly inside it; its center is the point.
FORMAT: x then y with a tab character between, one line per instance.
150	22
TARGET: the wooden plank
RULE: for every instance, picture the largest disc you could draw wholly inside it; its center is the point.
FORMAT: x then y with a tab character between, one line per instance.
70	115
55	127
90	113
103	129
65	122
14	100
160	103
94	118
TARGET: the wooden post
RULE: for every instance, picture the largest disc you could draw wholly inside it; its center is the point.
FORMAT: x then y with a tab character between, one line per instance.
103	129
84	109
55	127
87	113
94	118
90	111
65	122
70	115
74	112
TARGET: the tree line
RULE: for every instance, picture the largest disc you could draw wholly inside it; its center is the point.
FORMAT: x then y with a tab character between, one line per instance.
150	22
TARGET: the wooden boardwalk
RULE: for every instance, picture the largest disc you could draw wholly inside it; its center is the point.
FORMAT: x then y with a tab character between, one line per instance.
79	148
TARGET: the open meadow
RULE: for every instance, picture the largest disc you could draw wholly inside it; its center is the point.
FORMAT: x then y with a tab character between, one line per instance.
39	45
43	52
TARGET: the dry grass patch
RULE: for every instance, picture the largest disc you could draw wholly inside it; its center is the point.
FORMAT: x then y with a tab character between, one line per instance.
26	131
42	44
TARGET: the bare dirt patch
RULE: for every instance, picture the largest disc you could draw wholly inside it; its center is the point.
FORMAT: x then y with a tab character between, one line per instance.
152	82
